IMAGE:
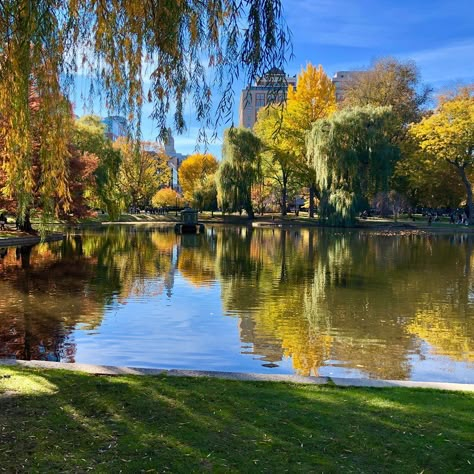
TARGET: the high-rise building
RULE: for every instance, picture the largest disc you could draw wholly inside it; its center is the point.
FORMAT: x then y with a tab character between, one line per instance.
175	161
116	127
342	80
268	89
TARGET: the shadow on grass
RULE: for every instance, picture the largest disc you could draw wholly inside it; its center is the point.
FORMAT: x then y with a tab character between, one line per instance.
78	422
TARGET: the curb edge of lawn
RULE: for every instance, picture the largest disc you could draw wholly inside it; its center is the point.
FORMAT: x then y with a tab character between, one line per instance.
255	377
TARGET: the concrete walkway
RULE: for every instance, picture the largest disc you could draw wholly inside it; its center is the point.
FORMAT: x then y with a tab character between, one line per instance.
340	382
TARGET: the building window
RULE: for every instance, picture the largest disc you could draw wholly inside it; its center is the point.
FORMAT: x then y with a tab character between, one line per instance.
259	100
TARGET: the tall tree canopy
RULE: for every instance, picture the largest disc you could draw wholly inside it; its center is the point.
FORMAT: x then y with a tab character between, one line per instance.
89	137
353	158
282	131
238	170
60	176
448	134
390	83
188	49
143	170
279	156
314	98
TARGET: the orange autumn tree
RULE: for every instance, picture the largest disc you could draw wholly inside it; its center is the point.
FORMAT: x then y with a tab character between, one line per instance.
58	173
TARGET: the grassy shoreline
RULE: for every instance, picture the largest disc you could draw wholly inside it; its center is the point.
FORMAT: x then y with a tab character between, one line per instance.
60	421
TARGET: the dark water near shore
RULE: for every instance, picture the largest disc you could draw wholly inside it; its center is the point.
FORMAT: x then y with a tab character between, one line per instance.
265	300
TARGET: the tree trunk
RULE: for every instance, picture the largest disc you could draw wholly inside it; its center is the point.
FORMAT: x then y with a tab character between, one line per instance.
311	201
250	213
468	186
25	226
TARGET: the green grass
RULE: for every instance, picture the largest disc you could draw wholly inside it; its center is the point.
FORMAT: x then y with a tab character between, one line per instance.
9	234
5	234
58	421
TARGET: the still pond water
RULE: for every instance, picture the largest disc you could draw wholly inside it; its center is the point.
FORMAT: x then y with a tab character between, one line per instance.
265	300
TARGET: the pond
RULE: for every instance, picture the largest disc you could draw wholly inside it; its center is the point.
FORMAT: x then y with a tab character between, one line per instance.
306	301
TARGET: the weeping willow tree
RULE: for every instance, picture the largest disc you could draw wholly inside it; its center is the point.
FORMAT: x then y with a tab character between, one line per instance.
238	170
166	52
353	158
35	118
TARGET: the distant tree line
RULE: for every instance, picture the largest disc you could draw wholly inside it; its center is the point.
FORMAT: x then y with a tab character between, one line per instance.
381	146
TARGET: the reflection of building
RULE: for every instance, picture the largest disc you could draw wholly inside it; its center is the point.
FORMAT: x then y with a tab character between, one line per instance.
116	127
175	161
341	80
271	88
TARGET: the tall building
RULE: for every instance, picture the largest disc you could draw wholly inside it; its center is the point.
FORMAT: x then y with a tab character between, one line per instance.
116	127
268	89
341	80
175	161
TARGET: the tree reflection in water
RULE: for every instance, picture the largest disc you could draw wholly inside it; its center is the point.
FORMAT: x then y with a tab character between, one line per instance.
363	302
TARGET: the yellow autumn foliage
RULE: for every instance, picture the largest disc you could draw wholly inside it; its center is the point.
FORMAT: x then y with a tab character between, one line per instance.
193	173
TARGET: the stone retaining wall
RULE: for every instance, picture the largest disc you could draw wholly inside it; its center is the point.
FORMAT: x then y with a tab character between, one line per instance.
30	240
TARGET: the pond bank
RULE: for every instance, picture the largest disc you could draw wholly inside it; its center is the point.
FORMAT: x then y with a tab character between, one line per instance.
379	225
338	381
58	421
25	239
277	221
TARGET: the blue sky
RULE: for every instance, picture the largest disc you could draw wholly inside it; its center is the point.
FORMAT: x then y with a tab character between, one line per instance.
350	34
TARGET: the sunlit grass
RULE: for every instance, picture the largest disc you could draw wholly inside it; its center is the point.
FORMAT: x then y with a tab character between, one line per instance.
54	421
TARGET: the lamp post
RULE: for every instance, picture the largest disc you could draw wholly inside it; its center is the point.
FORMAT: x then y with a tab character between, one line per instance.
176	208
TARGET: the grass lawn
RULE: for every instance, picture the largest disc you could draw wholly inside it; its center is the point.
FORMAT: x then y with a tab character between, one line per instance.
8	234
5	234
57	421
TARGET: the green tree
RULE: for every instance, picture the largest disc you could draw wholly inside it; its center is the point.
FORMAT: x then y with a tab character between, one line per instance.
205	195
238	170
448	134
279	159
89	136
353	158
143	170
427	182
44	43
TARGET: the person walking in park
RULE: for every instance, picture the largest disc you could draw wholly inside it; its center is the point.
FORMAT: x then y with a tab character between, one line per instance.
3	221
